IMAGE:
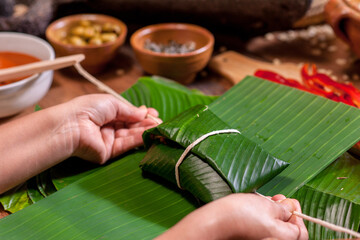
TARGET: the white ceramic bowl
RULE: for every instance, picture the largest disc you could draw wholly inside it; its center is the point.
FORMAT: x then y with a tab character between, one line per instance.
17	96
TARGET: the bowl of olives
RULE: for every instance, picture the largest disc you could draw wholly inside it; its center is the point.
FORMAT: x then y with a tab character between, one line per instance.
97	36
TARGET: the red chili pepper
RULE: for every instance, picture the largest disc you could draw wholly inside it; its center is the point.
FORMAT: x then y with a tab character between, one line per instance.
336	91
317	83
274	77
277	78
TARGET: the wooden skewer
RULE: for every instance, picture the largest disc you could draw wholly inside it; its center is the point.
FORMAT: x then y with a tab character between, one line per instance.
37	67
323	223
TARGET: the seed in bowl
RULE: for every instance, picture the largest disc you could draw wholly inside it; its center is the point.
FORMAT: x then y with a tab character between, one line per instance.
172	47
86	32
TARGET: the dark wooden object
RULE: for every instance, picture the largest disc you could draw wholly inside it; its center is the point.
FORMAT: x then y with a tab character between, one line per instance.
243	17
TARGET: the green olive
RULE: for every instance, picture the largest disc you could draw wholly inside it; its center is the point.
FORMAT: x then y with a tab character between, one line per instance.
96	41
77	41
78	30
107	27
117	29
85	23
108	37
89	32
97	27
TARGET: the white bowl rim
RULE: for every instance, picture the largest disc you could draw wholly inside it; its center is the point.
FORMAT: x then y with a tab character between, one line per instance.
29	36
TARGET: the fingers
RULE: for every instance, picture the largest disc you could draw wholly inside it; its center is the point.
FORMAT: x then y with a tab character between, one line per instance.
285	230
153	112
297	220
132	114
278	197
144	123
292	205
127	139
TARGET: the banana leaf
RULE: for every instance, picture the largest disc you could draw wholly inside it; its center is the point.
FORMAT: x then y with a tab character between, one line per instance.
15	199
115	202
118	202
219	165
333	195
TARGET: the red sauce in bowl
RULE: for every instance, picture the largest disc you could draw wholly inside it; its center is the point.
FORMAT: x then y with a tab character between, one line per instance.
12	59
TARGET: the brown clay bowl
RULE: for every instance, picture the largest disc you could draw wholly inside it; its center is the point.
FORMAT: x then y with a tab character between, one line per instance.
181	67
344	18
96	56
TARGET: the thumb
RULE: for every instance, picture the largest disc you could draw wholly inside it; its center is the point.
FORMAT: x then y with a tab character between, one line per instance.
288	204
292	205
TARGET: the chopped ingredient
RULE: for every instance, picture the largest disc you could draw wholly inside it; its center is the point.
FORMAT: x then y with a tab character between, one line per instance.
172	47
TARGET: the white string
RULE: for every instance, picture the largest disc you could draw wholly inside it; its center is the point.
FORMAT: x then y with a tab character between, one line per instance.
197	141
323	223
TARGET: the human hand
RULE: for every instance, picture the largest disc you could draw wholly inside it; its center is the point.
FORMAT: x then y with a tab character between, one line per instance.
242	216
93	127
102	127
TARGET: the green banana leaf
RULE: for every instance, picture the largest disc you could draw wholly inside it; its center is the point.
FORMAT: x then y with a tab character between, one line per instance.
15	199
115	202
118	202
333	195
241	164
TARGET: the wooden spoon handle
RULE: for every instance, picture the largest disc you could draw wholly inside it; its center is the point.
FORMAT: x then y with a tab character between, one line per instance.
37	67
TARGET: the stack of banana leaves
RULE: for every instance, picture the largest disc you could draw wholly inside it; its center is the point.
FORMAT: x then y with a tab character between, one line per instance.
288	141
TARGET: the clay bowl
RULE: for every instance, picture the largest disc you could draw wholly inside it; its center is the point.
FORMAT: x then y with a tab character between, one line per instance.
181	67
96	56
344	18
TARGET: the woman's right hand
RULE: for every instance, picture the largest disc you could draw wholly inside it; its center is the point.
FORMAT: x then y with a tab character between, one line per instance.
242	216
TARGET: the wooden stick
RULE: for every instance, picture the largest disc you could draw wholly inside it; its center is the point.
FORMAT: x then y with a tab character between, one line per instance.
106	88
327	224
37	67
323	223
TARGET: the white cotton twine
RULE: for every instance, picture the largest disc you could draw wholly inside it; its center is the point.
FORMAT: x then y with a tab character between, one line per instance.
197	141
304	216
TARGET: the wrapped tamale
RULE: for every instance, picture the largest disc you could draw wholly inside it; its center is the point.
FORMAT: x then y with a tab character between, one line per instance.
217	166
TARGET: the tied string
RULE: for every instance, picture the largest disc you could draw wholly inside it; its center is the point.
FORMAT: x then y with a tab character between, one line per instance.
197	141
298	214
